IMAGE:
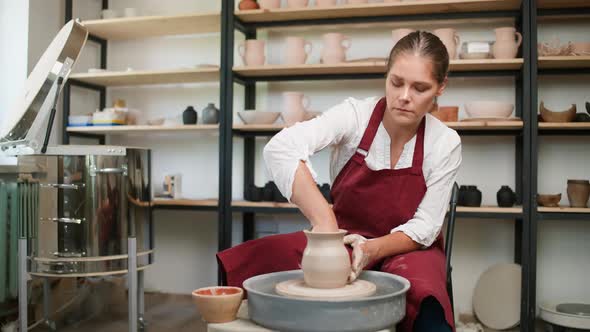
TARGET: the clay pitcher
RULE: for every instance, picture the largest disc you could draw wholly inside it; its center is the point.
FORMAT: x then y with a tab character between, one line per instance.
295	105
252	52
335	46
451	39
508	41
578	192
296	50
398	34
325	261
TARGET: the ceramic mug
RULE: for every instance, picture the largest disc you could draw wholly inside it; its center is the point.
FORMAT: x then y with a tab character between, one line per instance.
335	46
398	34
297	3
269	4
252	52
296	50
295	104
325	3
450	38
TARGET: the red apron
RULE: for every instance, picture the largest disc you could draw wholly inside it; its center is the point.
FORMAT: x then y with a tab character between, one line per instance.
388	199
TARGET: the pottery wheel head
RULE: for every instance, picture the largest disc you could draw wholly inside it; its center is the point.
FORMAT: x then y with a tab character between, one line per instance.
297	288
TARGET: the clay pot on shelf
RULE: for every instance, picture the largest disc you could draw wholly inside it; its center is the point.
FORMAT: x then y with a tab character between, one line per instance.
548	200
461	195
296	50
189	116
450	39
588	107
325	261
446	113
210	114
295	105
252	52
508	41
506	197
472	197
268	192
582	117
563	116
578	192
278	197
254	193
248	5
335	47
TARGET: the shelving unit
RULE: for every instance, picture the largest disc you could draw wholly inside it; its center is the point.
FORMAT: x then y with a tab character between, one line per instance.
140	129
147	77
374	14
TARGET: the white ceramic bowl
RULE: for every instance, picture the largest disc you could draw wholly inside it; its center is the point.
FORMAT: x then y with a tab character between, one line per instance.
489	109
258	117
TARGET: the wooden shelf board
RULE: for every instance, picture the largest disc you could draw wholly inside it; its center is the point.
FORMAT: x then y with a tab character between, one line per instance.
461	125
564	126
377	9
564	62
184	202
139	129
563	209
368	67
154	26
263	204
547	4
147	77
268	127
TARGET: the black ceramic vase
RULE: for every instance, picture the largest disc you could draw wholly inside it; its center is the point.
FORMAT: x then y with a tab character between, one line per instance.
189	116
505	197
268	192
461	196
472	197
210	114
254	193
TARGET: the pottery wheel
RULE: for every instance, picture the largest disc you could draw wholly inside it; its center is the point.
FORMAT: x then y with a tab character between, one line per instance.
298	289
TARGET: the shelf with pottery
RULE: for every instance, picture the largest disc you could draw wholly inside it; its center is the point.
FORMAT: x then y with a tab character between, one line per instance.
367	67
375	10
124	129
153	26
147	77
206	204
563	209
555	4
564	62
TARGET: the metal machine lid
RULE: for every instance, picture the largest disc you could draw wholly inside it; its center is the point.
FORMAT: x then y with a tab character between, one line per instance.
27	122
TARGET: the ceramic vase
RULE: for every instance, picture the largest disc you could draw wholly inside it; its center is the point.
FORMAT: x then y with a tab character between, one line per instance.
506	197
248	5
210	114
450	39
472	197
296	50
295	105
325	262
189	116
335	47
508	41
578	192
252	52
268	192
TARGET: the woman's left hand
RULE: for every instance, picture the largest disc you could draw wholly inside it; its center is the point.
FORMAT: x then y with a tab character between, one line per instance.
360	254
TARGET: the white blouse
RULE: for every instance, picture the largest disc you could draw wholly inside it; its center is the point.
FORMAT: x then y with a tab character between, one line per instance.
342	127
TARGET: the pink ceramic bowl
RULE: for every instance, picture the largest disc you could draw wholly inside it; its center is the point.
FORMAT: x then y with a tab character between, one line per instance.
218	304
489	109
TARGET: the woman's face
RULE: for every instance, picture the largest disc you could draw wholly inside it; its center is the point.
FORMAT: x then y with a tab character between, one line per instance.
410	88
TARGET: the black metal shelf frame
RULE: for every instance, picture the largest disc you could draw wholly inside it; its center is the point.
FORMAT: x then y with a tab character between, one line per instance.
524	249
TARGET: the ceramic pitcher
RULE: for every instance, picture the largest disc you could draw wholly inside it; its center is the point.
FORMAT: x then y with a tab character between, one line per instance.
450	38
296	50
335	46
295	105
325	261
398	34
252	52
297	3
325	3
269	4
507	42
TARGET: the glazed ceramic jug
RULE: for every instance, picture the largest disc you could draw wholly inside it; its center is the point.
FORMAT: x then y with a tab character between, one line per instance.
252	52
296	50
578	192
269	4
297	3
398	34
507	42
335	46
451	39
325	261
325	3
295	105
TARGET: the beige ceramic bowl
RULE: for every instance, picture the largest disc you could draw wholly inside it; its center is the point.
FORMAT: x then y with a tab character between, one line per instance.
489	109
548	115
258	117
218	304
548	200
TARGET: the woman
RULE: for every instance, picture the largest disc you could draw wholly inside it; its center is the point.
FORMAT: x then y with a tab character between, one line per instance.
393	166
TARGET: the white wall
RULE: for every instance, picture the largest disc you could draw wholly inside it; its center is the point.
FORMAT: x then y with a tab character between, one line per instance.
187	241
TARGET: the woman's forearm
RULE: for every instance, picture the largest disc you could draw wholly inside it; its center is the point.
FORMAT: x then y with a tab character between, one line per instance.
310	201
390	245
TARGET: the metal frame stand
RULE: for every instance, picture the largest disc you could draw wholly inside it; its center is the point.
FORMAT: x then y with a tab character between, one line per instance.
132	283
22	285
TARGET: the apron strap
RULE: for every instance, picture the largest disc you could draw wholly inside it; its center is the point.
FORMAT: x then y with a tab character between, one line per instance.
418	157
369	135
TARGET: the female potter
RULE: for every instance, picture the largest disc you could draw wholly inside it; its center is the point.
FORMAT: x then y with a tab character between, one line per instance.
393	166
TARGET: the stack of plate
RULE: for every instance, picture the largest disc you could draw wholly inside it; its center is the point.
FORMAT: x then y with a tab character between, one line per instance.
571	315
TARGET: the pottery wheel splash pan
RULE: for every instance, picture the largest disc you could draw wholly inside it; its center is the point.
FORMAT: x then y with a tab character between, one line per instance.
381	310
